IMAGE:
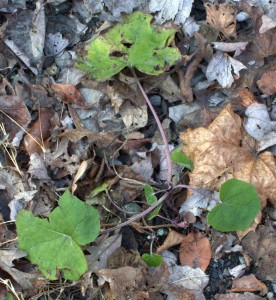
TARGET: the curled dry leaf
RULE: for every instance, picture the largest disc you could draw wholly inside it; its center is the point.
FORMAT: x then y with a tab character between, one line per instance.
249	284
267	83
174	238
220	69
195	251
223	151
39	132
68	94
222	17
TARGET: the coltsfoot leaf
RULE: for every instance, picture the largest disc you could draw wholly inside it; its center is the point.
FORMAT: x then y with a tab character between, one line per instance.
240	205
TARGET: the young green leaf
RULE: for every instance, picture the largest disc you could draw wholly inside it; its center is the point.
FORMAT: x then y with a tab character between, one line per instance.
54	244
151	199
178	157
152	260
240	205
134	43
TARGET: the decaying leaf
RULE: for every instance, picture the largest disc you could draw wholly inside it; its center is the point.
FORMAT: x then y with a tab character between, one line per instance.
259	125
171	9
236	296
194	280
267	83
195	251
68	93
199	201
249	284
26	280
223	151
173	238
230	47
124	282
260	245
267	23
222	17
136	116
39	132
220	69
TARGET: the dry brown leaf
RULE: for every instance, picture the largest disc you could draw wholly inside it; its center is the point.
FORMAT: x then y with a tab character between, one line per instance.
222	17
236	296
247	98
124	282
248	284
39	131
195	251
68	94
261	245
267	83
173	238
223	151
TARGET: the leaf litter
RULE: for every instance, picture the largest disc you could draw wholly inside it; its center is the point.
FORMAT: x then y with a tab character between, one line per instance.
62	130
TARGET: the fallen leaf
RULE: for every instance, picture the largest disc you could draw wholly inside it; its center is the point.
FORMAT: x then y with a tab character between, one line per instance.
171	9
248	284
37	168
220	68
68	93
55	43
247	98
39	132
132	115
195	251
124	282
267	24
195	280
26	280
235	296
267	83
13	110
222	17
259	125
101	253
117	7
261	245
223	151
173	238
230	47
199	201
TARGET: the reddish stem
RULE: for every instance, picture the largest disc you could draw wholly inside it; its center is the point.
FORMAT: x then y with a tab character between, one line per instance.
161	129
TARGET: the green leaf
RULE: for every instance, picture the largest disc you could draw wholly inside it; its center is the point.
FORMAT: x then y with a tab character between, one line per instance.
54	244
178	157
240	205
149	193
134	43
152	260
151	199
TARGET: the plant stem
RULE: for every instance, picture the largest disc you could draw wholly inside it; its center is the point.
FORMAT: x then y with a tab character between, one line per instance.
161	129
138	216
168	157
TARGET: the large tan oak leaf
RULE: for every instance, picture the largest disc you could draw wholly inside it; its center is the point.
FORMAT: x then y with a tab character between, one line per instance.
223	151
